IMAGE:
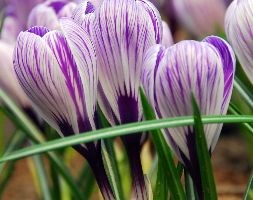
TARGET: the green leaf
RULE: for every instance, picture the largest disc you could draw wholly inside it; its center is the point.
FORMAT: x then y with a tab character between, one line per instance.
5	177
110	161
86	181
55	179
234	110
249	191
121	130
164	154
6	171
2	129
15	142
244	92
206	172
189	186
42	177
111	168
161	187
36	136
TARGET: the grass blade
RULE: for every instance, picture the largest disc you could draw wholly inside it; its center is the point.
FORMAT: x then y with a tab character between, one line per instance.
15	142
2	126
161	187
249	191
120	131
86	181
110	161
244	92
111	168
42	177
232	109
6	176
164	155
189	187
206	172
34	134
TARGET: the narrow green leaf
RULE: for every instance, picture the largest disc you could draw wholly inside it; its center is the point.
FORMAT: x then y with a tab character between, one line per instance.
164	154
6	171
42	177
5	177
121	130
180	169
34	134
244	92
86	181
110	161
110	164
2	128
249	191
15	142
234	110
161	188
206	172
189	187
65	189
55	179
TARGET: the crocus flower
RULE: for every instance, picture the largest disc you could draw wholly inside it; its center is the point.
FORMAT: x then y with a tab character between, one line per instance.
17	12
170	76
8	80
58	71
123	31
200	17
84	15
238	27
47	13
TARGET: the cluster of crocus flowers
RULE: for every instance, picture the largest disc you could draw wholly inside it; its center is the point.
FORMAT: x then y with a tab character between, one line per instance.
238	27
103	55
170	77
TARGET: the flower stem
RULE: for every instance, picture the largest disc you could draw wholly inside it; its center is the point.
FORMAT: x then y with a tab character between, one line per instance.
94	158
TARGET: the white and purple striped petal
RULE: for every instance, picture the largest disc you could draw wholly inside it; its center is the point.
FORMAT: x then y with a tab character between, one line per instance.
229	63
48	13
84	15
53	69
123	31
154	17
170	76
238	27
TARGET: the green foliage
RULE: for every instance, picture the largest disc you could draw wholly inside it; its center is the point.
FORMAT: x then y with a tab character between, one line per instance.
204	161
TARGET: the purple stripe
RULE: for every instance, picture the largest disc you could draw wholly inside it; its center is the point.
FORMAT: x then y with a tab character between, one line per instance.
38	30
57	5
